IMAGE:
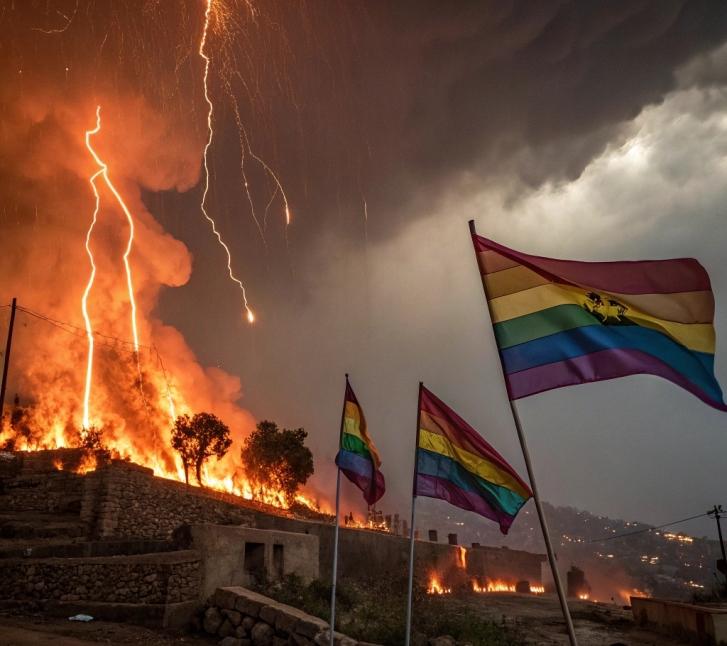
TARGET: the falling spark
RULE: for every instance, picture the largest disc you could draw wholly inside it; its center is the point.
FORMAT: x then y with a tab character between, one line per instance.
210	130
103	172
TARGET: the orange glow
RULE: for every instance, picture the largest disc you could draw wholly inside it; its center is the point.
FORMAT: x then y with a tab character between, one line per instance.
103	172
462	557
584	596
210	135
88	463
498	585
625	595
435	587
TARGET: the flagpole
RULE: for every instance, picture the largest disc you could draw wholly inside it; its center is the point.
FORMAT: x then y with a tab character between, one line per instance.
411	526
335	535
536	498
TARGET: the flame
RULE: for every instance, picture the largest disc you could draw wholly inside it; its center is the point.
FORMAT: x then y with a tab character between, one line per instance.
626	594
60	257
58	464
210	135
435	587
584	596
87	463
462	557
498	585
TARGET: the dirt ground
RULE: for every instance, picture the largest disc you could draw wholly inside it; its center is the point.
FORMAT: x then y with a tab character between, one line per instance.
537	620
27	630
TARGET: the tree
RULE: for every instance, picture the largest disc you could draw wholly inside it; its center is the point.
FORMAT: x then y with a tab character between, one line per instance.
277	460
198	438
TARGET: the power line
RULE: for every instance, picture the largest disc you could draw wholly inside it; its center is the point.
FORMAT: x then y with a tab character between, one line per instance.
646	530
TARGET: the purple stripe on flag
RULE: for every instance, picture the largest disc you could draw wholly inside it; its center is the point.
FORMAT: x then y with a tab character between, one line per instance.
599	366
433	487
362	473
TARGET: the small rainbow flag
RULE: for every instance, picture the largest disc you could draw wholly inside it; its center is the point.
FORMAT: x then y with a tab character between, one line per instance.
455	464
562	322
357	457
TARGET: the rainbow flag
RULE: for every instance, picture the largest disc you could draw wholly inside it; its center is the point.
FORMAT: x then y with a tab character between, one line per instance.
562	322
455	464
357	457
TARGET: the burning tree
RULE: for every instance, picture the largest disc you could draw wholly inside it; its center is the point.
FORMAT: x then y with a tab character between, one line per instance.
198	438
277	459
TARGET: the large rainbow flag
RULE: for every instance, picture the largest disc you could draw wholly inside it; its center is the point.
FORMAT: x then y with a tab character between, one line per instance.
357	456
455	464
563	322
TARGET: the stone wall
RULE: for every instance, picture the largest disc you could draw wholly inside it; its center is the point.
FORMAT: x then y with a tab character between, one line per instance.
244	618
238	555
122	499
59	492
364	552
505	564
142	579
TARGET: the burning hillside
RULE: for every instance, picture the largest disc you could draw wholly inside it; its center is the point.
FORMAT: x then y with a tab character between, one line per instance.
91	359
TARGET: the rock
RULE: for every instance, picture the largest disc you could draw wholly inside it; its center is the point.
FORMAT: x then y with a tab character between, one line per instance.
241	632
212	620
280	641
226	597
250	603
268	614
299	640
262	634
234	616
444	640
226	629
324	639
247	623
229	641
310	626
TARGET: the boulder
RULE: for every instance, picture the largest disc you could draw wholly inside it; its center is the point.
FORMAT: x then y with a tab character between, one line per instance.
212	620
226	629
229	641
262	634
268	614
234	616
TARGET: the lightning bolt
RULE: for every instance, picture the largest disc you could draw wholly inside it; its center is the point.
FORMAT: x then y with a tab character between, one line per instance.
210	131
103	172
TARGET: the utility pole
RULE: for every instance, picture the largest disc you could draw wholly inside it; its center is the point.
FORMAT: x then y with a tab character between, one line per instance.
716	511
6	363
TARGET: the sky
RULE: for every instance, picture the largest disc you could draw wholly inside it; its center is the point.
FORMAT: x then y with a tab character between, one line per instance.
582	130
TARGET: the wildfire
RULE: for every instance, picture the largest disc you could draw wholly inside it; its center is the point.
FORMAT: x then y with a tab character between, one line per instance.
498	585
435	587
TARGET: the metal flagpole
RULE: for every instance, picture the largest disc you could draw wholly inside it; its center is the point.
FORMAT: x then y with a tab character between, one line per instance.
6	363
335	535
536	498
411	526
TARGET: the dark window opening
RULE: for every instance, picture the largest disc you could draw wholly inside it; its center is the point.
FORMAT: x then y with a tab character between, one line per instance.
255	560
278	566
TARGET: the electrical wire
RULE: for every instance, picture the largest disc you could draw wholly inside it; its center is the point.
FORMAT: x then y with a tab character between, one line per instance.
644	531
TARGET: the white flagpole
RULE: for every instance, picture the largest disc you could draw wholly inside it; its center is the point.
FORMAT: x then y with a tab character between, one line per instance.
335	557
334	574
536	498
411	527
